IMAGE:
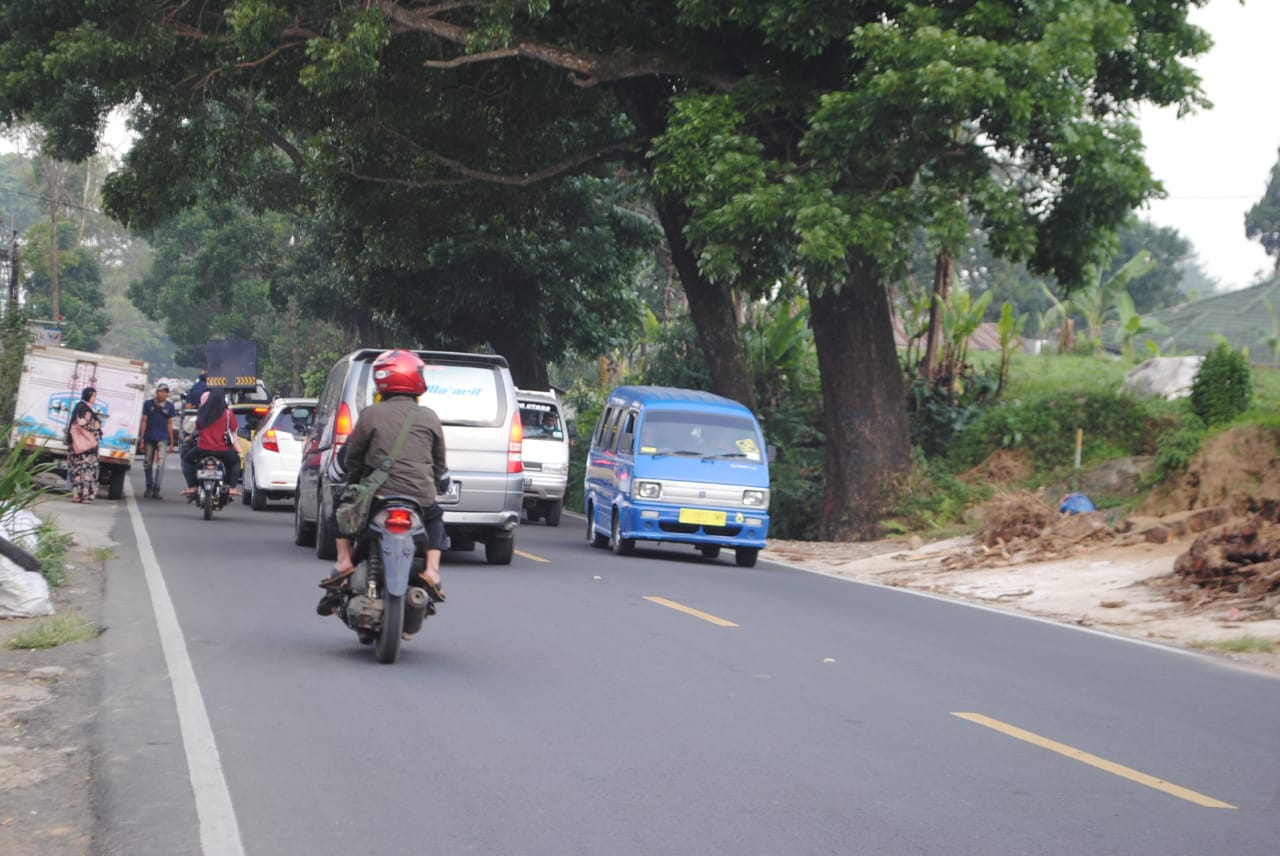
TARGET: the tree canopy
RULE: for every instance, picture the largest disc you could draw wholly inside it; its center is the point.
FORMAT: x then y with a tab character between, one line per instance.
1262	221
434	140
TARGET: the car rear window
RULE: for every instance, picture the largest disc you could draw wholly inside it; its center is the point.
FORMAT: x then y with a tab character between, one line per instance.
678	432
460	395
541	421
293	420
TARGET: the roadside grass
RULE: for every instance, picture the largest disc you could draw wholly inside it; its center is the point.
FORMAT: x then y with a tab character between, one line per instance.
1243	645
52	545
65	629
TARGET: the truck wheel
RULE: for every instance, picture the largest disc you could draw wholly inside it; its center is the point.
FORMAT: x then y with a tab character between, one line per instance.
553	509
498	551
115	487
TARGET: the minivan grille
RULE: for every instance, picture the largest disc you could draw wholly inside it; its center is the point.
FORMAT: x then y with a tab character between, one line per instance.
692	529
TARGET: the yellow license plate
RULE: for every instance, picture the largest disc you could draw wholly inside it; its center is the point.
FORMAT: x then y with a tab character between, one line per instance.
702	518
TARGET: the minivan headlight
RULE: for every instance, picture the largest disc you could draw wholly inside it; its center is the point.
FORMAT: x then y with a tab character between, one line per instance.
753	498
648	489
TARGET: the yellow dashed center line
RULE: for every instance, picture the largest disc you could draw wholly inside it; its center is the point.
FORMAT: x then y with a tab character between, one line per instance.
1094	761
689	610
531	557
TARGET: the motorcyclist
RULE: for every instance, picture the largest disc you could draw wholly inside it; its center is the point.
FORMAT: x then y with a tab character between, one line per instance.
420	465
213	422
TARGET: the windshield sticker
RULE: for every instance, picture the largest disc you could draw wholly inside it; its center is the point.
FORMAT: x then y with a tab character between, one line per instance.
648	450
747	446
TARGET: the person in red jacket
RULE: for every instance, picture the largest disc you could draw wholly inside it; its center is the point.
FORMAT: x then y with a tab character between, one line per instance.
213	424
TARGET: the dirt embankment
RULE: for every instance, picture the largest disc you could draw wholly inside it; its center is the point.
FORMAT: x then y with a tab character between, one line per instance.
1198	565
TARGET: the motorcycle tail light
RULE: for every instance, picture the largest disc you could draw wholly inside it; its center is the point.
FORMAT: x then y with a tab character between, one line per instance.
399	521
515	464
269	441
342	425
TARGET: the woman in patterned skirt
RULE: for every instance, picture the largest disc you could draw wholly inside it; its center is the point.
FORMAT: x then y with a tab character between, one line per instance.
83	433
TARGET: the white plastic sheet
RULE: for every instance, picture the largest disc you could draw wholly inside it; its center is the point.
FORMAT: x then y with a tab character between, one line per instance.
20	528
23	594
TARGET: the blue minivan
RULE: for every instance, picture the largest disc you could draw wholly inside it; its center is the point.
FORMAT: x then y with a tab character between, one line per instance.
680	466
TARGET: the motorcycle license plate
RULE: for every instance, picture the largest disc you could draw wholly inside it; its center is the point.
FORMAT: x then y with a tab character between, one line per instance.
454	494
209	474
701	517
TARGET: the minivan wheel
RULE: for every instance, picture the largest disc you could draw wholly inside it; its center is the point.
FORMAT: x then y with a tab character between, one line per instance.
553	509
746	556
709	551
594	538
326	539
621	546
304	534
498	551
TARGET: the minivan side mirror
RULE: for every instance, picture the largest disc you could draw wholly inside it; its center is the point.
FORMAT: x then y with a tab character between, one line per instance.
573	431
772	451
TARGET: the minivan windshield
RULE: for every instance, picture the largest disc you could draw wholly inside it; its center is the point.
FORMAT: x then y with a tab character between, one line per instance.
541	421
704	435
460	395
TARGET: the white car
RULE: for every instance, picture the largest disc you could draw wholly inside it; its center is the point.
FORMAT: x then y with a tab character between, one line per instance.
275	454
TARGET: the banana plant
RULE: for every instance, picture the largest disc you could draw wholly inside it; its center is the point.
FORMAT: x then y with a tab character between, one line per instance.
1133	325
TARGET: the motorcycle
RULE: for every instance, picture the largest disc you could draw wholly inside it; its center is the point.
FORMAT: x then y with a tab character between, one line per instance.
384	599
212	490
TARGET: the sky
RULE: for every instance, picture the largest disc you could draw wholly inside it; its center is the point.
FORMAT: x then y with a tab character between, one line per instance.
1215	164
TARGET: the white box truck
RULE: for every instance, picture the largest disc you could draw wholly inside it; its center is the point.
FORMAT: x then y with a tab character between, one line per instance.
50	387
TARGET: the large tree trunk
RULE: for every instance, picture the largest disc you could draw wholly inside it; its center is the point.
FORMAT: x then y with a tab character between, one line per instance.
864	408
713	312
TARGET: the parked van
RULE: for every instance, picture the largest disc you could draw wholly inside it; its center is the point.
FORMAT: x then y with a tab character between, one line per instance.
546	455
475	398
680	466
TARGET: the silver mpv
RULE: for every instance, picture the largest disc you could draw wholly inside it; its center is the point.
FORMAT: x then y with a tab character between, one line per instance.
475	399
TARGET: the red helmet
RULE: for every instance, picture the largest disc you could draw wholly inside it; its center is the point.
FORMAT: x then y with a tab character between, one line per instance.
399	373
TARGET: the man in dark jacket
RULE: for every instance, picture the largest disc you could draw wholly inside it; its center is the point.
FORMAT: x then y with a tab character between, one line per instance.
418	466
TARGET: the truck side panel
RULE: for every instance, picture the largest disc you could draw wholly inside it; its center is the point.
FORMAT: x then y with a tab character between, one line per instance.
52	379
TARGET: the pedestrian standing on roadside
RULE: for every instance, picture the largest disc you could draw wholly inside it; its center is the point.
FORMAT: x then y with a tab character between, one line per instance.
84	431
157	438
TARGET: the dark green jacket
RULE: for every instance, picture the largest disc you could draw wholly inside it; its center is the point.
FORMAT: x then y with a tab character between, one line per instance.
421	460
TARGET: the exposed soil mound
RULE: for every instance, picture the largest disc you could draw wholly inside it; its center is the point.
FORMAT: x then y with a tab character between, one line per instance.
1238	469
1003	466
1020	526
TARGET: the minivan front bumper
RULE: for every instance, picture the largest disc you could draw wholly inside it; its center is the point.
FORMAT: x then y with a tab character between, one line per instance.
658	521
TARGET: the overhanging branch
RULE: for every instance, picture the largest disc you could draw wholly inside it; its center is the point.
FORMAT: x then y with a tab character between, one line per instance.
464	174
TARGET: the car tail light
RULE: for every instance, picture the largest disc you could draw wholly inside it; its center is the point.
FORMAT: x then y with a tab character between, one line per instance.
514	462
342	425
269	441
399	521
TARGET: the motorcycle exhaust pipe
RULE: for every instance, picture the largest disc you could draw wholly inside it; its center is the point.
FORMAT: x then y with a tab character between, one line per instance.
415	609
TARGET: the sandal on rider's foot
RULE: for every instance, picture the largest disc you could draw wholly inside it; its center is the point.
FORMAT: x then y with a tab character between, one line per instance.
434	590
336	577
328	604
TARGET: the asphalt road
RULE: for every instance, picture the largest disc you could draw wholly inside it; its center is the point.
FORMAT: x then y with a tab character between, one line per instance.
581	703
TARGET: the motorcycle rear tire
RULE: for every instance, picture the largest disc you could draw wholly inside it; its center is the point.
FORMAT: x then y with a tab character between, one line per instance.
206	503
388	647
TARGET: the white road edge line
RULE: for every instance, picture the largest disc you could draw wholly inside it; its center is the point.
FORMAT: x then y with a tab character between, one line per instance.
219	831
1009	613
1159	646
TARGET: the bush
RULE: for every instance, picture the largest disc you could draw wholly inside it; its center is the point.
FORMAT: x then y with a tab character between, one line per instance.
1176	447
1222	387
932	498
1045	427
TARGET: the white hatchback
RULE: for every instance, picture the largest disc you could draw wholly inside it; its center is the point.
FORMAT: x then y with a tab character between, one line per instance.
275	454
